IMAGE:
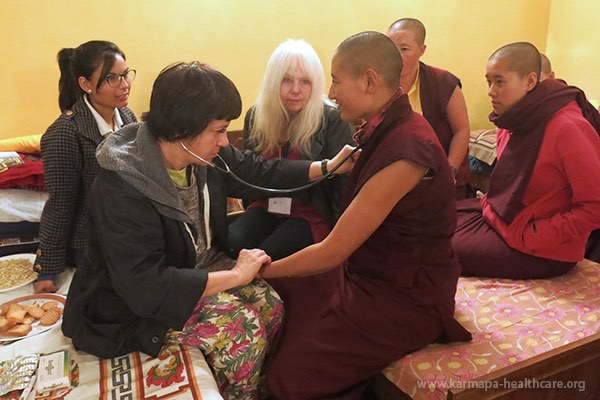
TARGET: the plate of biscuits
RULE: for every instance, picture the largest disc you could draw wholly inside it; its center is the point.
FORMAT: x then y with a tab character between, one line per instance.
30	315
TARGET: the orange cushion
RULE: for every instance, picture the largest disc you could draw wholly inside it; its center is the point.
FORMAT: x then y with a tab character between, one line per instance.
22	144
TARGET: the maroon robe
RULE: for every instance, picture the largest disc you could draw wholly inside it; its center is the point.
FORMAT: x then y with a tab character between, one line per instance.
436	87
527	121
395	294
482	251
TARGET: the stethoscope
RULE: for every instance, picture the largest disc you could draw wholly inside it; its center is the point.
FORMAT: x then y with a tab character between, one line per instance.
227	171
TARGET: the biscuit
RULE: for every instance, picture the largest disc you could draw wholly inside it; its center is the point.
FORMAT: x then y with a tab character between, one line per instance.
5	324
50	316
35	311
18	330
4	310
49	305
16	313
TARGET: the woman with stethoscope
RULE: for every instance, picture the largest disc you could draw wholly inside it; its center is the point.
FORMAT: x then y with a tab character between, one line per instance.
157	268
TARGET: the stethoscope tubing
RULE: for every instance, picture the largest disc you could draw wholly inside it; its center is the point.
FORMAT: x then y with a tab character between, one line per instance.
328	175
227	171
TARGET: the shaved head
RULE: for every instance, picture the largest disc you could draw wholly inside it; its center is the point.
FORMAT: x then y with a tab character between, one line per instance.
546	72
546	66
521	57
371	50
410	24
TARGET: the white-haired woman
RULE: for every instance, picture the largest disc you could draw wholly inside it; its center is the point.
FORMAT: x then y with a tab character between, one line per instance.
292	118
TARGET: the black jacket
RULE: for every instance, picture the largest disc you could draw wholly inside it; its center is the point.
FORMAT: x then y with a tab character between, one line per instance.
137	278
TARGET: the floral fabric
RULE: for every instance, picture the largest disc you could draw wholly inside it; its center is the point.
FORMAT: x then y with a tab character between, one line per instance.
233	329
511	321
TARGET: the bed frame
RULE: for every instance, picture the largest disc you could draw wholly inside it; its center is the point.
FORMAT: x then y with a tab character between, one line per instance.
577	361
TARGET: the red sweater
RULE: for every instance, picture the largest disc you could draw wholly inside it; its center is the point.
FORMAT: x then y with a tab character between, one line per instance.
562	200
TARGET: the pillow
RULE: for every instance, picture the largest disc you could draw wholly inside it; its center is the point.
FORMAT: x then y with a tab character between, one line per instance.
23	144
482	145
21	205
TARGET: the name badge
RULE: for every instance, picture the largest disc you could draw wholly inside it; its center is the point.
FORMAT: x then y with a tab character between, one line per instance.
280	205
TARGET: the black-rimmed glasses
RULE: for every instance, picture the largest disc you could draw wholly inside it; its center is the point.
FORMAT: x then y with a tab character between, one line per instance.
114	80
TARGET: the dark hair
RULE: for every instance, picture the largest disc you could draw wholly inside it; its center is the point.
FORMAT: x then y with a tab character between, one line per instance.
186	97
371	50
83	61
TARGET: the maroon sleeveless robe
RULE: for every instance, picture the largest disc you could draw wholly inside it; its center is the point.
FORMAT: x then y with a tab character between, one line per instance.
436	88
395	293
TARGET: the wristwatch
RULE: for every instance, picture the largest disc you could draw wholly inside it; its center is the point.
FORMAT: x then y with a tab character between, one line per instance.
454	170
324	166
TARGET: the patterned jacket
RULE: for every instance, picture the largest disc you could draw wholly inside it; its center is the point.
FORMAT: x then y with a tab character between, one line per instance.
69	157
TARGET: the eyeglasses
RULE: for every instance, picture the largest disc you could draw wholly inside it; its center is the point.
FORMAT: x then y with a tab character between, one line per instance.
114	80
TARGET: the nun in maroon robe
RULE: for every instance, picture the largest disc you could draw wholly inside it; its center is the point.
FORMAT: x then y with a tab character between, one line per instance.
395	293
436	88
544	197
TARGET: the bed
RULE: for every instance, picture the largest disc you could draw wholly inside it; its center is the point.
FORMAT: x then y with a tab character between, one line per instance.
22	196
509	320
527	336
547	330
178	373
20	212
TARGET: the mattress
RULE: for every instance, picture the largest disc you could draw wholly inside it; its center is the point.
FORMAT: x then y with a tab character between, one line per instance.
18	205
511	321
18	237
20	213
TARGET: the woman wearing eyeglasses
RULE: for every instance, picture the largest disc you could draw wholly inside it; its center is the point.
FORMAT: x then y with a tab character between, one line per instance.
94	88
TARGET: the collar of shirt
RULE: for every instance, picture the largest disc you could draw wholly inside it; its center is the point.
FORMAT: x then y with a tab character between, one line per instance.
414	94
103	127
366	130
415	84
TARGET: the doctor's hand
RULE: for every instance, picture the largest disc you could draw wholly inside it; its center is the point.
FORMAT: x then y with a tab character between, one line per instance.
347	166
248	264
45	286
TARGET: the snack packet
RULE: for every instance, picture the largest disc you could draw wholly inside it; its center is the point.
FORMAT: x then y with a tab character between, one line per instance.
16	374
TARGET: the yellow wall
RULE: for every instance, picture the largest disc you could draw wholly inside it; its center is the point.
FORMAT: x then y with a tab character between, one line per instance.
237	36
573	43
